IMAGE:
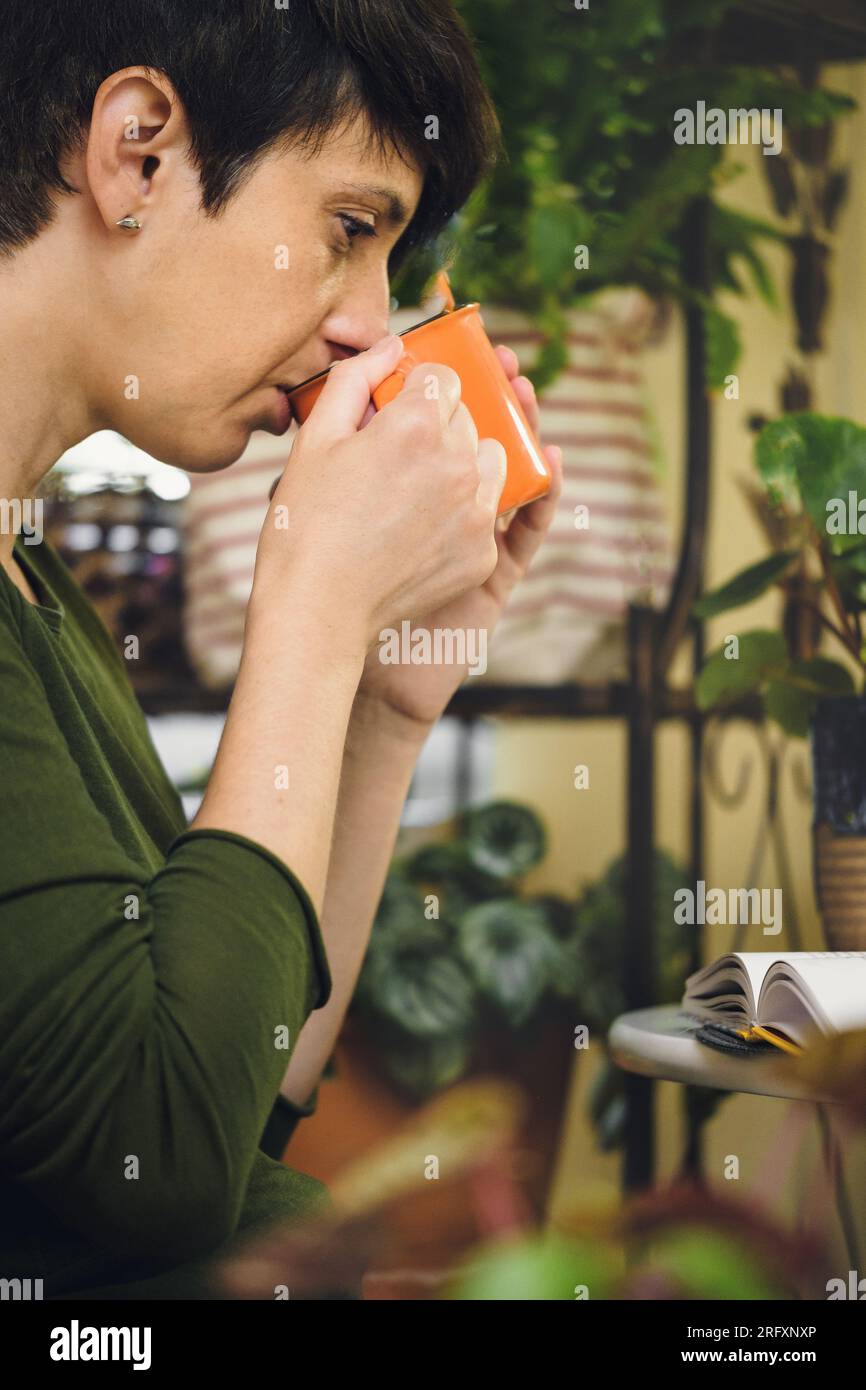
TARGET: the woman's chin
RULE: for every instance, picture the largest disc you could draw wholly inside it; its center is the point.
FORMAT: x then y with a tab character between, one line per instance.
206	453
206	446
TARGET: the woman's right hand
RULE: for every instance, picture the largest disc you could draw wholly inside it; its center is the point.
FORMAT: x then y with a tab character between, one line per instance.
392	519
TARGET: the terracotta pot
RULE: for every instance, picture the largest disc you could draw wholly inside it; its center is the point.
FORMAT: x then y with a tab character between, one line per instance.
839	827
358	1108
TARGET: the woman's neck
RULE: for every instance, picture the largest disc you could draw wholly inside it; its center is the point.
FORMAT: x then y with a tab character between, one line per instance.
43	409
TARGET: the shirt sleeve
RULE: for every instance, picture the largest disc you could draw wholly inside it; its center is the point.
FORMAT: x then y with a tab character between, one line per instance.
146	1020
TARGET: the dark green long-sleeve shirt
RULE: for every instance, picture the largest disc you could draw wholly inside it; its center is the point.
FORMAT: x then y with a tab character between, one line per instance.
149	976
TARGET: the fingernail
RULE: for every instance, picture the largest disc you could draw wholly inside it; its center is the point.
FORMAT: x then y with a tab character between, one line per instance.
385	343
555	449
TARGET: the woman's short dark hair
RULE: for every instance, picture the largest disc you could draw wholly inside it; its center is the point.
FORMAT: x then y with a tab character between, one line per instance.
253	75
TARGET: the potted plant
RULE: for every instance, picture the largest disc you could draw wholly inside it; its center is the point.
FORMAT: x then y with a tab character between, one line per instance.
468	973
497	977
587	113
597	950
812	469
572	247
679	1240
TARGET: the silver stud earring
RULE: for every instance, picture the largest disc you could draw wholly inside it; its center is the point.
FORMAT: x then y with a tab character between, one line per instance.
130	224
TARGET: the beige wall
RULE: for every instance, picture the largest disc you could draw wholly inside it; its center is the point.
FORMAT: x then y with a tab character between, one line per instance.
587	827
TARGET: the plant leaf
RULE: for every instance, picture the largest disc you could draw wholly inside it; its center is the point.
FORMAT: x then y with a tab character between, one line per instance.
791	698
819	676
812	462
400	905
545	1267
511	953
601	940
554	227
444	868
749	584
424	1065
722	346
504	838
791	708
724	678
710	1264
414	980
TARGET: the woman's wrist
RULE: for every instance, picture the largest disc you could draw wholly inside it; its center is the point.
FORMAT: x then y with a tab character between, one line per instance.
302	612
372	717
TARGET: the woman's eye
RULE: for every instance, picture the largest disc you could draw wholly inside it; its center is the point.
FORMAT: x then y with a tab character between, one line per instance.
354	227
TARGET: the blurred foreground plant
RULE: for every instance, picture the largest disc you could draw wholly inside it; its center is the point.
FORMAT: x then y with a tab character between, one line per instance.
677	1242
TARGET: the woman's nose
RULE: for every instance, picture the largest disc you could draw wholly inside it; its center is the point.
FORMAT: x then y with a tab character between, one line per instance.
359	322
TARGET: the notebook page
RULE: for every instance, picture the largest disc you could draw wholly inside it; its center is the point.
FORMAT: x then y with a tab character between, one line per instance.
836	981
756	964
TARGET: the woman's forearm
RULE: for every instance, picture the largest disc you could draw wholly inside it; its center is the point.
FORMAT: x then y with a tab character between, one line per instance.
276	775
381	752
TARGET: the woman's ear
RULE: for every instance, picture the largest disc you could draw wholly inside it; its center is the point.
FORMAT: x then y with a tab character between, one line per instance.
136	146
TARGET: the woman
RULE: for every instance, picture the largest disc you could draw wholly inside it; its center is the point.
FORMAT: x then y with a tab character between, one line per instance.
170	994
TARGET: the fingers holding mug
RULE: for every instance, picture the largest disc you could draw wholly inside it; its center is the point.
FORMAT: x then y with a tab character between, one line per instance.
434	381
492	469
463	430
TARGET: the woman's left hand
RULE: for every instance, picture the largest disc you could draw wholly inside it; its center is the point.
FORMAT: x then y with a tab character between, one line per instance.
419	694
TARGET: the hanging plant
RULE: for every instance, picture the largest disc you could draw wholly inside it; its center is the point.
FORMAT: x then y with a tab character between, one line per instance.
593	188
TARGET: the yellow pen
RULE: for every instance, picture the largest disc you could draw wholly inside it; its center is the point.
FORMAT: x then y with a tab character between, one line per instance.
783	1043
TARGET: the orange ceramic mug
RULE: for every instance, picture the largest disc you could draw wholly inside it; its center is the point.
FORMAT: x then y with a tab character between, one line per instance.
457	338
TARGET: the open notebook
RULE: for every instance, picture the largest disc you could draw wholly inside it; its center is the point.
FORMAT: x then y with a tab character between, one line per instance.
781	998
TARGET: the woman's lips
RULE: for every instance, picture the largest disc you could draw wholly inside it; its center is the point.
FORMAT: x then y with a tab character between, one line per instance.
282	410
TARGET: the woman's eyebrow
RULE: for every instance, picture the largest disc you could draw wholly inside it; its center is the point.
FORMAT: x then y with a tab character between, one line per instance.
396	211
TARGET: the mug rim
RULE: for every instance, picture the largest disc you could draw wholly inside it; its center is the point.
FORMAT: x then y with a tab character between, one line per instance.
458	309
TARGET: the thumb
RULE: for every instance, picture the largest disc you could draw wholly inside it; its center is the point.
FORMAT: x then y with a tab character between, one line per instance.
350	383
492	467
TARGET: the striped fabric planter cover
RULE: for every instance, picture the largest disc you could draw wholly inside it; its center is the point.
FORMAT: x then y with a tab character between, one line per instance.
223	517
566	620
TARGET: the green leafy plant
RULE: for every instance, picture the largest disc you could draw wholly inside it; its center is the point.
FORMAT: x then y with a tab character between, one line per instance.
689	1261
587	114
459	951
600	940
596	953
459	948
811	467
